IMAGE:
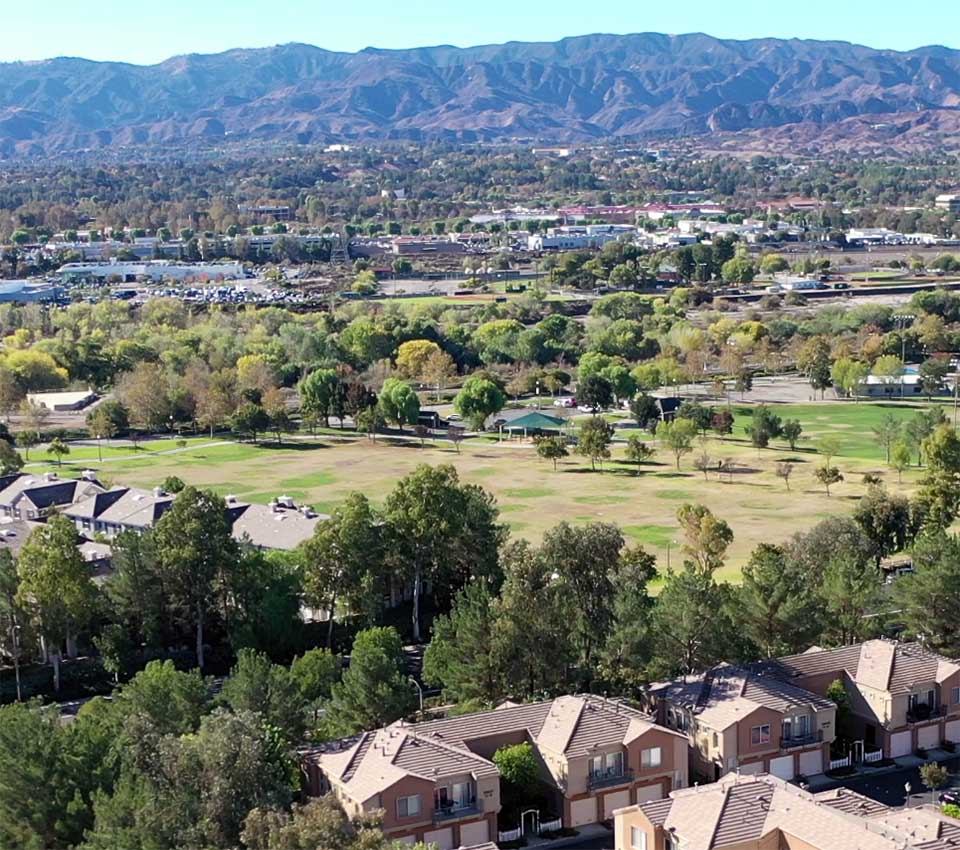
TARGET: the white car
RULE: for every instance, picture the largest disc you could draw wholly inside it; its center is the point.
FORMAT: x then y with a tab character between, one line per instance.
565	402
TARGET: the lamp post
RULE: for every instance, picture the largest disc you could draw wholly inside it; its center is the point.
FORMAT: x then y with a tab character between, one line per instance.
99	449
419	688
902	322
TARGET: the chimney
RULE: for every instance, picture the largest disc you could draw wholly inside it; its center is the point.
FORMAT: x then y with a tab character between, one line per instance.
158	492
49	476
88	475
230	499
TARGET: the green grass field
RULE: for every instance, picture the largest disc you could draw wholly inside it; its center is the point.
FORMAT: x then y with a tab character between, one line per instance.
533	497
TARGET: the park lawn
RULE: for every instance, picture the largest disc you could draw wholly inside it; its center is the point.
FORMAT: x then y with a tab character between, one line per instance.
755	502
123	449
851	423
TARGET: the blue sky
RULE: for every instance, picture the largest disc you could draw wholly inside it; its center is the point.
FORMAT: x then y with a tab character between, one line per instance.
147	31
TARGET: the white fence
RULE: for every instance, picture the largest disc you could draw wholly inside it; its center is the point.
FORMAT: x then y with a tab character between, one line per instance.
509	835
838	763
552	826
876	755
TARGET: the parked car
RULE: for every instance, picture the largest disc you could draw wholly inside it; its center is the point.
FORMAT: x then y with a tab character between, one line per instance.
950	797
841	285
565	402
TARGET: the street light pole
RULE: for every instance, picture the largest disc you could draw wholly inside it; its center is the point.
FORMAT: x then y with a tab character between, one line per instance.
419	691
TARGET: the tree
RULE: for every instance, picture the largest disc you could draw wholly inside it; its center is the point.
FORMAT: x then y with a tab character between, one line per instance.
278	414
814	362
113	644
373	691
10	460
775	606
594	440
595	392
848	375
784	469
399	402
58	448
370	420
707	537
889	368
413	356
934	776
315	673
478	399
645	412
459	656
342	562
27	440
145	393
791	431
829	446
938	498
250	418
928	596
455	435
165	700
691	624
921	426
887	431
722	423
519	768
257	685
440	531
638	451
837	694
886	519
900	458
194	551
437	370
55	586
764	426
552	448
933	372
699	414
828	475
677	436
739	269
317	392
12	616
102	422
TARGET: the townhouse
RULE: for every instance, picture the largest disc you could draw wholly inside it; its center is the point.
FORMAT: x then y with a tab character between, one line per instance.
738	720
767	813
436	781
902	696
34	497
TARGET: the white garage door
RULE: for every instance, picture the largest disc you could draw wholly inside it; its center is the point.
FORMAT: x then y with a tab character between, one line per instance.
650	792
811	763
474	833
782	767
952	731
928	737
443	838
615	801
901	745
583	811
751	769
406	839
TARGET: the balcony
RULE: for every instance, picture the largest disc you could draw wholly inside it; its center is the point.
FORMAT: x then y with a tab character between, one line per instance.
922	712
607	778
452	811
794	742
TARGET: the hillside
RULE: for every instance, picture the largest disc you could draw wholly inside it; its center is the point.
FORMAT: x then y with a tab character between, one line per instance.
585	88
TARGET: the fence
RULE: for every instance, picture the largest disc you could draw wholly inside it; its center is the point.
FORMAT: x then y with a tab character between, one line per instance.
876	755
838	763
552	826
509	835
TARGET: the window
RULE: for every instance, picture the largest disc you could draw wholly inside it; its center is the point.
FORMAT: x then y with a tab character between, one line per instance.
615	764
638	838
650	758
760	734
408	807
596	765
716	740
955	696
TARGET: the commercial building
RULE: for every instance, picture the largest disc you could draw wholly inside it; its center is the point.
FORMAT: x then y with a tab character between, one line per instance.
63	401
27	291
151	270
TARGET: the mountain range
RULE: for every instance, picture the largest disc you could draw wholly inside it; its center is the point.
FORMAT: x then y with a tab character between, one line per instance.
594	87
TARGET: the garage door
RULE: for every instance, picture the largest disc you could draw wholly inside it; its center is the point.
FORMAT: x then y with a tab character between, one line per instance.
751	769
443	838
474	833
811	763
901	744
583	811
952	731
928	737
617	800
782	767
406	839
650	792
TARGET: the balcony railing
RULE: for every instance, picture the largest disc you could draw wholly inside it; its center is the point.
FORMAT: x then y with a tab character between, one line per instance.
922	712
794	741
451	812
608	777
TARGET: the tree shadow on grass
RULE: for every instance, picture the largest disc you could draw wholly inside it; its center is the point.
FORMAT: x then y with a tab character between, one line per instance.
294	446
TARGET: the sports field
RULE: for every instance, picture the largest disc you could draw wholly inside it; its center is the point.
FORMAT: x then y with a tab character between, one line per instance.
532	497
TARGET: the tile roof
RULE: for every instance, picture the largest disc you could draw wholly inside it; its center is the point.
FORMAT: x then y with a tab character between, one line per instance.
882	664
736	810
725	695
274	527
47	491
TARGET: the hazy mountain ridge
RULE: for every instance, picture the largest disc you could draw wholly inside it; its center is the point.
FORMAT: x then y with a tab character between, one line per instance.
588	87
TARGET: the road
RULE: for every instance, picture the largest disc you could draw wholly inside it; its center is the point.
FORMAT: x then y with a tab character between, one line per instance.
889	788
